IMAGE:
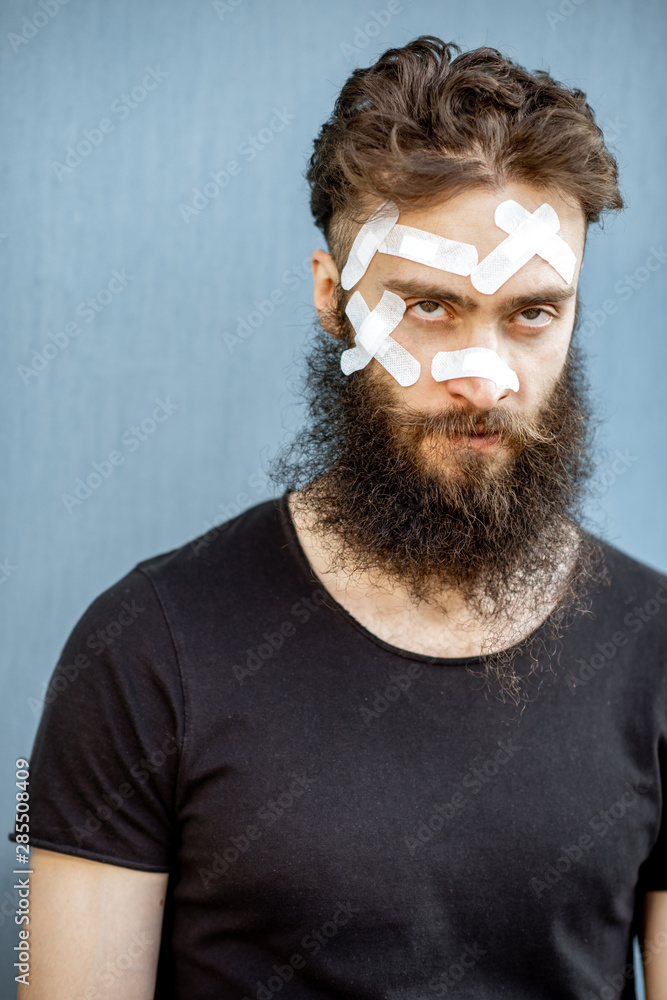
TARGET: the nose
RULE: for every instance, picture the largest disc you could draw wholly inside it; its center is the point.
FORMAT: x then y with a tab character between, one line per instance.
481	393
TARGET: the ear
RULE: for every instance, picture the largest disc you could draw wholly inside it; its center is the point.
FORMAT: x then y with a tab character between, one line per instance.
325	281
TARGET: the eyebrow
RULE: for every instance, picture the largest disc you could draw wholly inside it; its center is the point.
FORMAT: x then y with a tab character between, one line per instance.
425	290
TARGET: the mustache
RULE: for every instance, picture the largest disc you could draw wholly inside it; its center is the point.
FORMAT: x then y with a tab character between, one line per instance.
514	429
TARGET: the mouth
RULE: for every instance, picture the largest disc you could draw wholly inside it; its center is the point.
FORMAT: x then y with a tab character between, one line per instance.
475	440
483	440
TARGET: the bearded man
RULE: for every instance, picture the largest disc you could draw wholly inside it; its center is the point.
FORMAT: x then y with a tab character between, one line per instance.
401	731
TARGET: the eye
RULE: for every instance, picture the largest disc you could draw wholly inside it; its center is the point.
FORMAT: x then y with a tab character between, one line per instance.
428	307
534	316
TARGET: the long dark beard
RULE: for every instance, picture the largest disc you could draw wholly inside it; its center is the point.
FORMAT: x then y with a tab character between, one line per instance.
448	516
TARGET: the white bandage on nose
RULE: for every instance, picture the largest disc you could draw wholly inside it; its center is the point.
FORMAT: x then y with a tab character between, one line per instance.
367	240
481	362
373	340
429	248
529	234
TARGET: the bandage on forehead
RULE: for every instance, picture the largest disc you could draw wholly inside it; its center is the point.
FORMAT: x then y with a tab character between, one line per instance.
366	243
529	234
480	362
429	248
373	338
510	215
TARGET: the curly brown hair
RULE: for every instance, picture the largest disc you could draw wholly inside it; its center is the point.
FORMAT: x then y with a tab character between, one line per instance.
419	126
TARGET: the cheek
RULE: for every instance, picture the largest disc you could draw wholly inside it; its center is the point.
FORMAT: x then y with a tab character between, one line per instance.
418	395
422	346
539	369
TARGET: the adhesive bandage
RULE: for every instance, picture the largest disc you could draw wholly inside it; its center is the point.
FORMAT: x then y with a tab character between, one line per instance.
529	234
481	362
366	242
373	338
428	248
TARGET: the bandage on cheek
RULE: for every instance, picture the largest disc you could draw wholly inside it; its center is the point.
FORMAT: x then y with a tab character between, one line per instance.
480	362
430	249
373	338
529	234
366	243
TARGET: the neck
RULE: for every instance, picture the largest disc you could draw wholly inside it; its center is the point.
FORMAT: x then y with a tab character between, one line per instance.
442	624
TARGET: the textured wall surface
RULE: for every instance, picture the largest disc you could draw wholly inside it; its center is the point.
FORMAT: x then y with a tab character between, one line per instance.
125	292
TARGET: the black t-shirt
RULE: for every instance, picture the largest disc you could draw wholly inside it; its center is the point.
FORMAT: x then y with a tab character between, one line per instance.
344	818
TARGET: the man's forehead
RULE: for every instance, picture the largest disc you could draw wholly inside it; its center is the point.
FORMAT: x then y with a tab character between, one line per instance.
469	217
475	243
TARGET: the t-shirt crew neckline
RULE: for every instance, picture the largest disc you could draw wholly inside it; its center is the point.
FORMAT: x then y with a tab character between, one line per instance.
303	563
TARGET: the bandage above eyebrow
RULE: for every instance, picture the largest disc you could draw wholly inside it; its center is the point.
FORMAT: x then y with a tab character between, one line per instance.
373	338
366	243
382	233
429	248
529	234
480	362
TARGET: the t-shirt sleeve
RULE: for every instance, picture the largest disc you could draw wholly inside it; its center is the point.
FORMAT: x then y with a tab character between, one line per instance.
105	759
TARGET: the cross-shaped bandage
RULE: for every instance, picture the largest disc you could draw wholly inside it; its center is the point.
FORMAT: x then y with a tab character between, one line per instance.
373	340
529	234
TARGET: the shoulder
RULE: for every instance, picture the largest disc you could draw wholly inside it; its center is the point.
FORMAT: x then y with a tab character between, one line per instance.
629	576
140	615
630	606
146	627
225	560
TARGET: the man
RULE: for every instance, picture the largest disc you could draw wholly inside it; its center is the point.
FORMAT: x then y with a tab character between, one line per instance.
302	740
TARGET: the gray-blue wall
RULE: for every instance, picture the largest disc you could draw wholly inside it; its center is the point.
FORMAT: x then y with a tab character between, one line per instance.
202	78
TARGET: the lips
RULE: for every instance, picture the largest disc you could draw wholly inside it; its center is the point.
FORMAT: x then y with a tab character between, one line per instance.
476	440
482	435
